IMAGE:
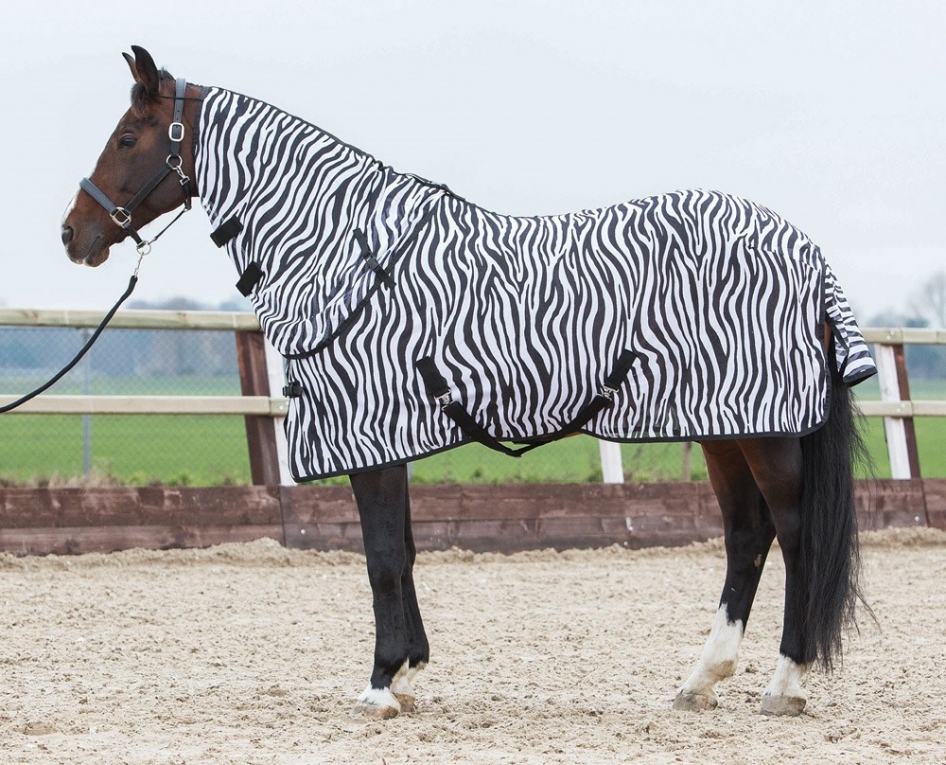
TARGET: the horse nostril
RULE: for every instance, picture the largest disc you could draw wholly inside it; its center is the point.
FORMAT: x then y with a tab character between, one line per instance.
66	234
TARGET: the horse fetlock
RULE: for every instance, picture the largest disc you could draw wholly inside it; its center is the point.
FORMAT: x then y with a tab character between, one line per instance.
402	689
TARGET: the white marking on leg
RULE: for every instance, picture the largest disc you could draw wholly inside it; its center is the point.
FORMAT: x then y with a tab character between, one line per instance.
401	686
401	682
718	660
788	678
380	699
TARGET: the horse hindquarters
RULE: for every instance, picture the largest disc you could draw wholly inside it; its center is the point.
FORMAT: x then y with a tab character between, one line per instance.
400	642
802	488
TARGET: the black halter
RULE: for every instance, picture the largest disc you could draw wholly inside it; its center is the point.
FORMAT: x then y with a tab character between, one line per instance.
173	164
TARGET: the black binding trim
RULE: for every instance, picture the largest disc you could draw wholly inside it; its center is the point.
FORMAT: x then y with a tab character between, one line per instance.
371	260
438	389
249	279
226	231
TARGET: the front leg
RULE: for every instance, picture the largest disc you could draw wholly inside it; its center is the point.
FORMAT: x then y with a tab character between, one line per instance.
381	498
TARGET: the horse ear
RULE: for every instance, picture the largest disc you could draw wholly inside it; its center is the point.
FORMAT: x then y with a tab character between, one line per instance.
143	70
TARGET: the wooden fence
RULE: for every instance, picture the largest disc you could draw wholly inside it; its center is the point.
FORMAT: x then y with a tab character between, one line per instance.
497	517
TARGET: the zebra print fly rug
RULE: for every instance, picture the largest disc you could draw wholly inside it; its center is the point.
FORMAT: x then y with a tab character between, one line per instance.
714	305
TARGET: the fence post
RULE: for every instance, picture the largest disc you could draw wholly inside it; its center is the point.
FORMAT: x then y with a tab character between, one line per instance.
612	470
900	431
260	430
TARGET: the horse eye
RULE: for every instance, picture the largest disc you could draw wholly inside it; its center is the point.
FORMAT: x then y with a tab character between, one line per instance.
127	141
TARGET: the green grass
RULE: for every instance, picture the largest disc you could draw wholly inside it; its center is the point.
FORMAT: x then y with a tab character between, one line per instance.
137	450
930	431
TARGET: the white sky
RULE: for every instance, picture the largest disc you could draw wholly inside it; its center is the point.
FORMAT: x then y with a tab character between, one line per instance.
833	114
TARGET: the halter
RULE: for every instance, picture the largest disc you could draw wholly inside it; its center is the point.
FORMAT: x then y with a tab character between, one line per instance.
121	216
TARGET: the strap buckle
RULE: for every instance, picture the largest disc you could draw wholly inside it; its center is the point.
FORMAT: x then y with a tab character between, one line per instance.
121	217
607	392
444	400
176	132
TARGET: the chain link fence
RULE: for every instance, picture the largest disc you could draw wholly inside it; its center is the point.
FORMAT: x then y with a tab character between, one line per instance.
132	449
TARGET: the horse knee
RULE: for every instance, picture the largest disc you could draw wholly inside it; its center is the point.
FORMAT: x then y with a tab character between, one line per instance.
385	570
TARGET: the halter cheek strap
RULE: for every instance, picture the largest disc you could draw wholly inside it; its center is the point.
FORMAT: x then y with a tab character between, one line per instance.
121	215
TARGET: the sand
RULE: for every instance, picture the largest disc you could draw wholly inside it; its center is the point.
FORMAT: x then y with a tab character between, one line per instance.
254	654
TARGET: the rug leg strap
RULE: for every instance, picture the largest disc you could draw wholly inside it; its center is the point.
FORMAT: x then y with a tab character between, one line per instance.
439	390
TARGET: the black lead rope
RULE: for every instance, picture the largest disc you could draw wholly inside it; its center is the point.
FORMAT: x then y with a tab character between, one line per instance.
78	357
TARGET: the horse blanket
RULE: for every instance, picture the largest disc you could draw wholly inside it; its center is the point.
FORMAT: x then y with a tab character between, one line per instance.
358	273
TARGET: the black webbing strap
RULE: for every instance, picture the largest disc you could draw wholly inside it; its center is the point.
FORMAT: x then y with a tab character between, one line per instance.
439	390
249	279
226	231
370	259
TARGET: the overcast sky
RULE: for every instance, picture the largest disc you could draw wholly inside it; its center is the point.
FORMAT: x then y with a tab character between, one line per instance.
833	114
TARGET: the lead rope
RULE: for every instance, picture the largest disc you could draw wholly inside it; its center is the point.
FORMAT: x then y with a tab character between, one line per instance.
85	348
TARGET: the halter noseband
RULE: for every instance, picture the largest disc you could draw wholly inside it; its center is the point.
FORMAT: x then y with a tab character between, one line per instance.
121	216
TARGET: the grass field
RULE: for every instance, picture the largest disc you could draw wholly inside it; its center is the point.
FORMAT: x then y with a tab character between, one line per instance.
211	450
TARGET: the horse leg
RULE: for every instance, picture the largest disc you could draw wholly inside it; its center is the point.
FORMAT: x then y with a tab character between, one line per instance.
748	535
381	496
776	464
418	648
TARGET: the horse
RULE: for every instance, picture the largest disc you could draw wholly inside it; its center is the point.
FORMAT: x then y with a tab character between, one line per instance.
790	483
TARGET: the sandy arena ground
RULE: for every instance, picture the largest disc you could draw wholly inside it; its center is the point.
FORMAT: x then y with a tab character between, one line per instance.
254	654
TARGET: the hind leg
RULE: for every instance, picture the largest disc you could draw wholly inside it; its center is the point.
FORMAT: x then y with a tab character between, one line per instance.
748	533
776	465
418	647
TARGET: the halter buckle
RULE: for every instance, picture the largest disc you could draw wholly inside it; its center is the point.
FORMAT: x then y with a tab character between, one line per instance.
444	400
121	217
176	132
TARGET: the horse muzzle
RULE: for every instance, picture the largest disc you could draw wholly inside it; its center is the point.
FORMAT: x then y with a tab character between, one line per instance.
94	253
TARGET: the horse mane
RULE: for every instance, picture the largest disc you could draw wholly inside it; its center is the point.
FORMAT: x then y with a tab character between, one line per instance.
139	96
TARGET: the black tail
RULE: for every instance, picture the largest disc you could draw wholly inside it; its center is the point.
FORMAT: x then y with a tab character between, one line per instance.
829	555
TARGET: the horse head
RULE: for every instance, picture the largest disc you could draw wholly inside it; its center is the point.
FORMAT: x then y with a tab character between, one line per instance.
145	169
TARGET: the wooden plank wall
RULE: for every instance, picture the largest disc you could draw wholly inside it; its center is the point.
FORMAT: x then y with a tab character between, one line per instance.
479	517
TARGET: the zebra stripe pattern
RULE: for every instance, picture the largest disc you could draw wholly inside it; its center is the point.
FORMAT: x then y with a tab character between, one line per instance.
365	271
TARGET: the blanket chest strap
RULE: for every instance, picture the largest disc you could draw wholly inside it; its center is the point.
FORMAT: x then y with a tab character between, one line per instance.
439	390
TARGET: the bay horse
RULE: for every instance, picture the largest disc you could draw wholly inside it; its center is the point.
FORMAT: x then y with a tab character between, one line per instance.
795	487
